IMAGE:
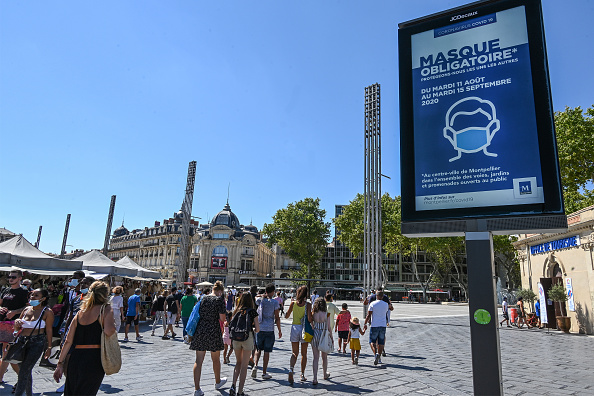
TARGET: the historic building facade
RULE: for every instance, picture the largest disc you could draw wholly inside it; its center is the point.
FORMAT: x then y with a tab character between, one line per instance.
155	248
223	249
565	258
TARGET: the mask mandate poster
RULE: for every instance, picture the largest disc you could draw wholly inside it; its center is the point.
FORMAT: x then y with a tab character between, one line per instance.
475	136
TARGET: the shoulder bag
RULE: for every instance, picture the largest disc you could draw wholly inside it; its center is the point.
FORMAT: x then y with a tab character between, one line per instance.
16	350
111	355
307	331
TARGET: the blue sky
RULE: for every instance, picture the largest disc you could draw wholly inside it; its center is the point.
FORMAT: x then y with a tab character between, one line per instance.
117	98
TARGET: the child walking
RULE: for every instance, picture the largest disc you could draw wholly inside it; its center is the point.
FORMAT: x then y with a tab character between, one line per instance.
227	340
355	344
343	321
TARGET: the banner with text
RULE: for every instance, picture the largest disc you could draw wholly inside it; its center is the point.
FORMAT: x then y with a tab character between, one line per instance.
475	135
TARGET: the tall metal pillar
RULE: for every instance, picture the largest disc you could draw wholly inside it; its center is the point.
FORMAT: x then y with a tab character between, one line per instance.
185	241
484	333
38	237
63	251
372	214
109	222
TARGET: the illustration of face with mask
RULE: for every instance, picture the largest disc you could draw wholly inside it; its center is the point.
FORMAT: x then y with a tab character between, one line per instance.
470	125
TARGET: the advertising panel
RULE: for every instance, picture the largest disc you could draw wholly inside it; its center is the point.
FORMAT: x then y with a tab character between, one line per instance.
474	119
477	134
569	291
543	304
218	262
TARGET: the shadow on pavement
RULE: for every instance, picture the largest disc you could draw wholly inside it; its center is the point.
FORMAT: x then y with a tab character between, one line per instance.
399	366
405	357
433	323
109	389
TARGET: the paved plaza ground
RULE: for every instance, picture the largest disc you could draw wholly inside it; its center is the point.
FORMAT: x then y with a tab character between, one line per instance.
428	348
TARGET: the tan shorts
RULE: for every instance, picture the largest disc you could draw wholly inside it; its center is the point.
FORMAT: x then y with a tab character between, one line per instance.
248	344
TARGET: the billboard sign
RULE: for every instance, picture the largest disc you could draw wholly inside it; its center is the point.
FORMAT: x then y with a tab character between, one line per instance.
218	262
477	135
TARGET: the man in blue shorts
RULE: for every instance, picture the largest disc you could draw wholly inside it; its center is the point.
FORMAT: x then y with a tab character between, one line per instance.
268	315
377	316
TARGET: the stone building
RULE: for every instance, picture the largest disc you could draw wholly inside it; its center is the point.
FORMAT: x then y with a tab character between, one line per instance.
228	251
565	258
223	249
155	248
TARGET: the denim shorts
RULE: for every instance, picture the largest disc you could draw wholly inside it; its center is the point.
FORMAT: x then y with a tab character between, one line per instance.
265	341
378	334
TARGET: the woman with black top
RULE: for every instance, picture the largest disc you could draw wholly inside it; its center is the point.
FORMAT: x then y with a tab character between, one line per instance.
243	349
85	371
209	337
35	325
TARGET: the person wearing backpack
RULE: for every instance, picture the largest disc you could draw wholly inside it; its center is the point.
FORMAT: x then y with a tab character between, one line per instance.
241	332
209	337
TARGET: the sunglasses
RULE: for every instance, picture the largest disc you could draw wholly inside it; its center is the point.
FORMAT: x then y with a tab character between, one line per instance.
13	277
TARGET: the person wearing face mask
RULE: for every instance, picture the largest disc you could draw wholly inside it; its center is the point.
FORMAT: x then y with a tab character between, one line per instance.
12	302
34	325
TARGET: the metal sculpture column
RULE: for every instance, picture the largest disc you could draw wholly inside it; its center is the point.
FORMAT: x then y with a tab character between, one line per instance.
63	251
372	212
184	251
109	222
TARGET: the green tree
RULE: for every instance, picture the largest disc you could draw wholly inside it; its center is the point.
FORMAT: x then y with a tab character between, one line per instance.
301	231
505	255
575	130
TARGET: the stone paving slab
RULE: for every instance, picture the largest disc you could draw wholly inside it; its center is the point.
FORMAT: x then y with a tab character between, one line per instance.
428	350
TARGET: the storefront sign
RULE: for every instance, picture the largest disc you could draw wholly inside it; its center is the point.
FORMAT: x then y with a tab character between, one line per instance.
555	245
543	304
569	290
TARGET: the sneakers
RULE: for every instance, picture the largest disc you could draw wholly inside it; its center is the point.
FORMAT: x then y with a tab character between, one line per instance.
173	335
221	384
384	353
376	360
165	337
266	376
232	390
254	372
153	333
379	360
356	361
139	338
125	340
186	340
291	373
198	392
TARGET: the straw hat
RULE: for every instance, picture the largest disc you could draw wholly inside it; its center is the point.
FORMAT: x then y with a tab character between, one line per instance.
355	321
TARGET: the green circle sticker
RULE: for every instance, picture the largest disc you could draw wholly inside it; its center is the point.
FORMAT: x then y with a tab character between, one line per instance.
482	316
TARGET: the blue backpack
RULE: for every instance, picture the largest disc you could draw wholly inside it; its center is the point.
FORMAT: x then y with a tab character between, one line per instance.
193	320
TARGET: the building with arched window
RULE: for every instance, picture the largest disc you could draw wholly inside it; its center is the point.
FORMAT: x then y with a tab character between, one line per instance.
228	251
565	258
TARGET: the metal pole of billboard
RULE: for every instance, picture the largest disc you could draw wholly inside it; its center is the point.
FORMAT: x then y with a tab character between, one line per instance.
484	333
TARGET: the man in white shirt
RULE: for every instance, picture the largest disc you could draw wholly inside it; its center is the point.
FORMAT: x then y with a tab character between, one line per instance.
377	316
314	296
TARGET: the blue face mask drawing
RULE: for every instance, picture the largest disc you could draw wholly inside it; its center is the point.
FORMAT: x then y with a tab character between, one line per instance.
73	282
84	291
471	111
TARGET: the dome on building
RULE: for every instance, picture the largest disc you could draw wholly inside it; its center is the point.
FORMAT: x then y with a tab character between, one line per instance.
121	231
225	217
179	217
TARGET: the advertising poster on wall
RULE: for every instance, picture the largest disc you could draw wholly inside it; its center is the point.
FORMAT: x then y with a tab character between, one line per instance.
543	304
569	291
475	132
218	263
